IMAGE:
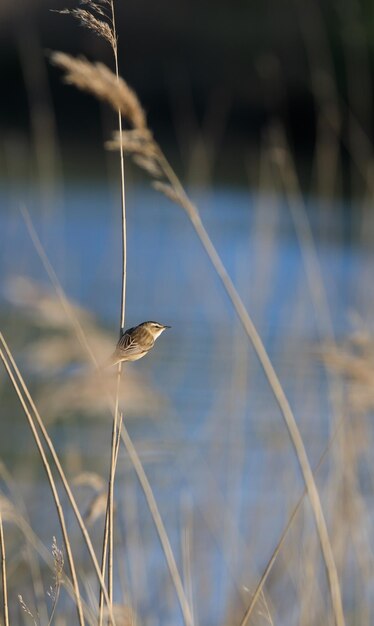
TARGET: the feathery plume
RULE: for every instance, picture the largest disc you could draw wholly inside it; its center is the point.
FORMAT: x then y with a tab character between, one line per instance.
100	81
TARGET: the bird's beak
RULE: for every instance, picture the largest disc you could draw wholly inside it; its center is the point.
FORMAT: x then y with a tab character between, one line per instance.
167	326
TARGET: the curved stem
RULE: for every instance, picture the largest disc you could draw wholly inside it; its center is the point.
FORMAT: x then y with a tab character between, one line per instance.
275	385
3	574
56	460
52	483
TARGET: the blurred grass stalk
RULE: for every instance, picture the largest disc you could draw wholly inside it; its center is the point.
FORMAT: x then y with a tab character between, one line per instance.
326	178
99	17
129	446
7	361
117	422
95	18
25	400
16	511
139	143
3	573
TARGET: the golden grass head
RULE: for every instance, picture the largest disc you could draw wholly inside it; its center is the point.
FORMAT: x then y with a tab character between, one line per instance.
101	82
96	17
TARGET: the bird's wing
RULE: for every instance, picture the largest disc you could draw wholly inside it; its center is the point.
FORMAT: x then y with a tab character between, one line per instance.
127	344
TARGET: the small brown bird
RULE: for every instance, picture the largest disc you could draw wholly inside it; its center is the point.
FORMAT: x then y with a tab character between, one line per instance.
136	342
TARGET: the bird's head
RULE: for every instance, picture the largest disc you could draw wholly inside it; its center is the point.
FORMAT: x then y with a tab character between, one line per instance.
155	328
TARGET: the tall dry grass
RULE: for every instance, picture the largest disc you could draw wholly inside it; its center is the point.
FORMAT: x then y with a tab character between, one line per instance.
99	17
355	364
139	143
3	574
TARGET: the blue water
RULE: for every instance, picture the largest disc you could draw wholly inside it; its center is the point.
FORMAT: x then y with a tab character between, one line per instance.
219	449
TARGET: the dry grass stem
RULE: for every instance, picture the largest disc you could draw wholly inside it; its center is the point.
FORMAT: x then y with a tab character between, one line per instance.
148	164
106	85
185	608
3	574
183	200
15	516
186	549
282	538
123	99
148	493
56	460
276	388
269	566
80	73
167	190
109	512
97	79
7	364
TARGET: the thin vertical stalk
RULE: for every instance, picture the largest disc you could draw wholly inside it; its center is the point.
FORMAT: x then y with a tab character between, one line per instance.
110	511
123	195
109	519
115	446
134	457
3	574
52	484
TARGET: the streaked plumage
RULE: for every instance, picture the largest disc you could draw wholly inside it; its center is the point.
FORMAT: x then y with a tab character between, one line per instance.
136	342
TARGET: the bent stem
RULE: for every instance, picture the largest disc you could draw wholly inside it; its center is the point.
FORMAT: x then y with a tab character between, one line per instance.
3	574
164	540
52	484
275	385
131	450
140	143
56	460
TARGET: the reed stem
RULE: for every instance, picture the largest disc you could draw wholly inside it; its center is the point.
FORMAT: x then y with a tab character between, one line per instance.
110	512
56	460
52	484
3	574
275	386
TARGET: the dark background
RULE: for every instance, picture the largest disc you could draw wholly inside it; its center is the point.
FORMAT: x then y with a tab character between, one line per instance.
222	69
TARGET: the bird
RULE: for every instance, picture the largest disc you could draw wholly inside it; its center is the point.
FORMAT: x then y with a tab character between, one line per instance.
136	342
